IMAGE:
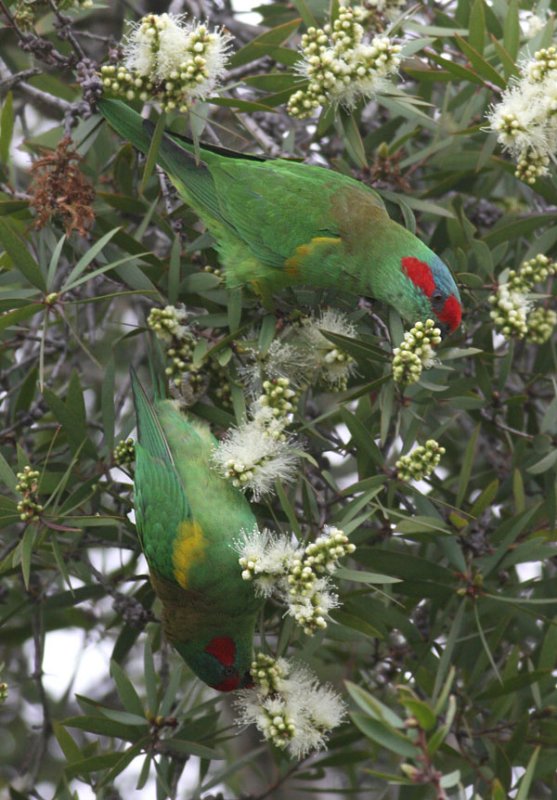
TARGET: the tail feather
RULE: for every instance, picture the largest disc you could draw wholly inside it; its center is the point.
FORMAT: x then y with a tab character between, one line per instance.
151	433
191	176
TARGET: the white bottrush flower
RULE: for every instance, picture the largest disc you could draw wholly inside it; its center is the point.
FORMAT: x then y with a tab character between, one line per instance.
253	459
525	119
340	65
510	311
289	706
265	558
512	305
310	607
293	575
169	60
332	365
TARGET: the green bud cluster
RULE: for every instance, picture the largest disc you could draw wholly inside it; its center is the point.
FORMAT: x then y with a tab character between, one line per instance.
25	12
238	473
415	352
124	453
339	67
308	597
278	396
421	462
336	368
219	377
544	62
167	323
267	673
28	508
324	553
278	727
216	271
512	309
541	323
531	165
296	576
531	272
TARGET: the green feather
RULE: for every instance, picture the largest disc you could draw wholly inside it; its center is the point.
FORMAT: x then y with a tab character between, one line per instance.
280	223
188	519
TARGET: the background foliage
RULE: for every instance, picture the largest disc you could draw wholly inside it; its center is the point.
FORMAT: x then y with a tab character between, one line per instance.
447	634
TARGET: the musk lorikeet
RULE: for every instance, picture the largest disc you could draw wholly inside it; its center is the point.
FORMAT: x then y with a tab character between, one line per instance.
279	223
188	517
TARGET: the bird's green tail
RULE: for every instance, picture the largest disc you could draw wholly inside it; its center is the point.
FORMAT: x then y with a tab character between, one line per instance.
151	434
189	174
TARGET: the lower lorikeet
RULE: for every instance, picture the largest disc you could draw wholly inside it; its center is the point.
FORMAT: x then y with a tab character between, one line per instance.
188	518
280	223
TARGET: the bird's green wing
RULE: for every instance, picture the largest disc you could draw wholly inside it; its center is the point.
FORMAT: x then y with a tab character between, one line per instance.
161	506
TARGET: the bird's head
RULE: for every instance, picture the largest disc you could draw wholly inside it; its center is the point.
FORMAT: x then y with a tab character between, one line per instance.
221	662
433	291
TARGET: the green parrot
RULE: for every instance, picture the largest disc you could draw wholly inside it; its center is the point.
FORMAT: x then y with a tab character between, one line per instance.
280	223
187	517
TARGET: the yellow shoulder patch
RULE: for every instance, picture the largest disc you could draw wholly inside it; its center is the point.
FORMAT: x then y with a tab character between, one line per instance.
292	265
189	548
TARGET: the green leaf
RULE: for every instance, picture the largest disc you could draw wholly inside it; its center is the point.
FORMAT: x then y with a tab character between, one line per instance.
373	707
476	25
356	623
86	259
352	138
421	711
66	742
182	746
20	255
479	63
72	422
511	29
128	695
359	576
150	678
27	544
544	463
153	152
526	780
7	475
7	119
54	260
265	44
388	738
467	465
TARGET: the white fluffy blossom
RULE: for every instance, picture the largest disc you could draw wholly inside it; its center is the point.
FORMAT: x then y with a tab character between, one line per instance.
340	65
295	576
170	60
289	706
512	303
330	363
254	456
525	119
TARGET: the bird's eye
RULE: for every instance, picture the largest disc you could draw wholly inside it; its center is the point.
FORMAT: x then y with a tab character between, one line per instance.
229	671
437	297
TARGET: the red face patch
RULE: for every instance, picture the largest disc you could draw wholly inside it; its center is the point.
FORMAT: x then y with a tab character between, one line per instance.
420	274
451	313
228	684
223	649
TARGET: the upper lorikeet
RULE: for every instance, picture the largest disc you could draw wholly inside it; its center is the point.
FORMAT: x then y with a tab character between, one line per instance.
279	223
188	517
